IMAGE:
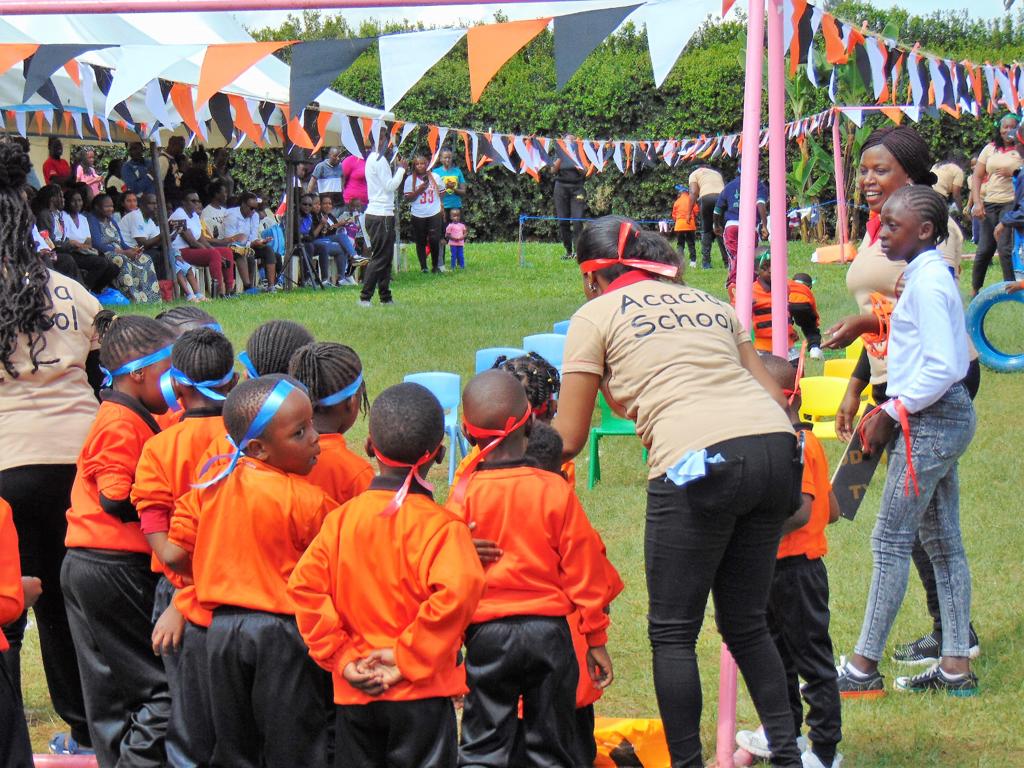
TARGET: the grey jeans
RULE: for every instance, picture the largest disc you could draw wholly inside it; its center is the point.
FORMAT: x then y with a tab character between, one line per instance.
939	436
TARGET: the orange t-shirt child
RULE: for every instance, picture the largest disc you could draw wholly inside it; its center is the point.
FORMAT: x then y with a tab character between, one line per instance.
15	747
108	555
469	460
682	213
339	472
245	534
520	644
798	610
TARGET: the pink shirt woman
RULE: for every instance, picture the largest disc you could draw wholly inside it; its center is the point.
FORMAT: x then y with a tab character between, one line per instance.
353	170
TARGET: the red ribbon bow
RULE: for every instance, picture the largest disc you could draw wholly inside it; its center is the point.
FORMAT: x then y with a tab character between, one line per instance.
904	419
626	232
792	393
396	502
479	433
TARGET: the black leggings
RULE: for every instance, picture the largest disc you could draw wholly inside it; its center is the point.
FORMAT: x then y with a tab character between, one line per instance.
719	536
687	237
426	232
988	245
40	495
569	204
98	272
707	205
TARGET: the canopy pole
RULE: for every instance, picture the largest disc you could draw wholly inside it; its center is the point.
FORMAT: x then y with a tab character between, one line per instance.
842	221
777	181
289	217
165	226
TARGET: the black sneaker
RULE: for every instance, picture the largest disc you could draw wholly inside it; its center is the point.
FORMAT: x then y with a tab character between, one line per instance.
928	650
936	680
855	686
568	257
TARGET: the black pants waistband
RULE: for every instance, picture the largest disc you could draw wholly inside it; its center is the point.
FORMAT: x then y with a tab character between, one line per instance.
111	556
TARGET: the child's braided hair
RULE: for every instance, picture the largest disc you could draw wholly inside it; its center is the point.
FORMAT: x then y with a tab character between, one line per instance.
539	378
926	203
25	304
325	368
186	317
271	346
129	337
203	355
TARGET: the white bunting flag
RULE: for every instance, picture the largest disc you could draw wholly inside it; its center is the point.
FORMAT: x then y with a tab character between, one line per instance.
406	57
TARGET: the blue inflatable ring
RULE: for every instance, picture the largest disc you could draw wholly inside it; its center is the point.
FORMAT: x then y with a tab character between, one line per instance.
976	313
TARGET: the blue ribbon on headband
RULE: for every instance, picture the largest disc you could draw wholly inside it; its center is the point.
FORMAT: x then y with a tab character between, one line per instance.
243	358
135	365
214	327
343	395
265	414
205	388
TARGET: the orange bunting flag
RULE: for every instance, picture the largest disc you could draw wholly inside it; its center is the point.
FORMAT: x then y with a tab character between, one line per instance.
893	113
835	51
15	53
244	121
321	127
298	134
491	45
433	135
181	97
223	63
72	69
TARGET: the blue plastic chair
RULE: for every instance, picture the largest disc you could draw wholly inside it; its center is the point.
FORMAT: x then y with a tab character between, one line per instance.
562	327
550	346
485	357
447	388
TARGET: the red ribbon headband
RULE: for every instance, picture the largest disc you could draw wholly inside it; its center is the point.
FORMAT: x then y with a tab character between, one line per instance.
479	433
626	231
792	393
414	471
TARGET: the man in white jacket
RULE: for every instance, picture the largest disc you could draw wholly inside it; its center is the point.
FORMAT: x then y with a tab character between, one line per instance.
381	184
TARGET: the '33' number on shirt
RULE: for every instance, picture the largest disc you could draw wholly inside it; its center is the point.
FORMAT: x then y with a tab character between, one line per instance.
427	197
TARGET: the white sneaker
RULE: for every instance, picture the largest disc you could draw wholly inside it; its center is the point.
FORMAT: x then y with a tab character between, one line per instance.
815	353
811	760
365	303
756	743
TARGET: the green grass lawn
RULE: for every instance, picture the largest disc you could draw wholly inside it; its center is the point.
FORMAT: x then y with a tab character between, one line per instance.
439	322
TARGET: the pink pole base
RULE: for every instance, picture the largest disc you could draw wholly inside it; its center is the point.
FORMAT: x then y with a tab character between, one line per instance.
64	761
726	742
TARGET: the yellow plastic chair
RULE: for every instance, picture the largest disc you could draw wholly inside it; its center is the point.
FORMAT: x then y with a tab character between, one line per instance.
853	351
841	368
821	397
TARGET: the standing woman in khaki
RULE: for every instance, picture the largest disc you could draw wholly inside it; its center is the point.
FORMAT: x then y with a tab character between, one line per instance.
48	356
998	161
724	466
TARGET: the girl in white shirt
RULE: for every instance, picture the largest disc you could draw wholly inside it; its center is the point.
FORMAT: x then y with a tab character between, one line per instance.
930	406
423	189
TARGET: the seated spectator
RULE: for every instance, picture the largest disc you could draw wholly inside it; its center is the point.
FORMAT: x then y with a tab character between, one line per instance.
196	250
213	218
243	223
31	178
138	171
86	173
305	224
42	208
137	277
141	229
126	202
55	169
327	176
355	229
332	228
72	232
113	184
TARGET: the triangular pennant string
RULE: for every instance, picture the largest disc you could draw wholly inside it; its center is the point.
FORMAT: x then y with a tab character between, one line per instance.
47	59
405	58
224	62
578	34
316	64
491	45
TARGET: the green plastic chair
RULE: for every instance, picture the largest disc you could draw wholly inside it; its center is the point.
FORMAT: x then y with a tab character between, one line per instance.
610	426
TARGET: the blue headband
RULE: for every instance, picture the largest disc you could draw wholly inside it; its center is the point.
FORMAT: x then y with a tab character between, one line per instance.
205	388
214	327
263	418
135	365
343	395
243	358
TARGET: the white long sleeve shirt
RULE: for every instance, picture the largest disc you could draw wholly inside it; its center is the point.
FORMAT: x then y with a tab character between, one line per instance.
381	184
237	224
928	350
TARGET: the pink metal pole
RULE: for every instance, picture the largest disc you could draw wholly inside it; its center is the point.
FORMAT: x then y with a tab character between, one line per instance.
41	7
777	180
842	223
726	743
748	180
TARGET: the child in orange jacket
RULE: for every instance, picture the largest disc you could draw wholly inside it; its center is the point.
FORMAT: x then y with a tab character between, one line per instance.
333	375
200	377
16	594
125	687
384	594
798	611
519	644
685	223
239	535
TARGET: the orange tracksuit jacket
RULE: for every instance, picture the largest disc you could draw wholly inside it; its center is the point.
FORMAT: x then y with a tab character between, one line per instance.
12	596
106	466
410	582
810	540
568	468
338	471
586	692
169	465
552	563
246	533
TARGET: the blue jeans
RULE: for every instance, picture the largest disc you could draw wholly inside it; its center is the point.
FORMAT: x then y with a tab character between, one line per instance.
326	249
939	436
457	256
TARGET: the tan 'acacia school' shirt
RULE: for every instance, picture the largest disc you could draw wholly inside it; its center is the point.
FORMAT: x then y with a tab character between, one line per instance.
671	357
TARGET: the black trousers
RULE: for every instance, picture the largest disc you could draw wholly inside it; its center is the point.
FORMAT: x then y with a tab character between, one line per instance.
706	205
569	204
109	597
268	696
687	238
389	734
988	244
40	495
520	656
15	747
191	709
174	742
426	232
381	231
798	619
64	263
719	536
98	272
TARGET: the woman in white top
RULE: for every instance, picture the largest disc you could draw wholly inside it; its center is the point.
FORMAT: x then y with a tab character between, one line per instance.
423	189
98	271
998	162
49	371
196	249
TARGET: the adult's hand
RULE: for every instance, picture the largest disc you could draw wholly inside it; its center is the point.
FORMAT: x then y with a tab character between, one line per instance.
847	330
846	416
978	211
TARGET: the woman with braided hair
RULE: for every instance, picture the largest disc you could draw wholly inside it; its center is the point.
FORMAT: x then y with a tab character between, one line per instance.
992	196
892	158
49	373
